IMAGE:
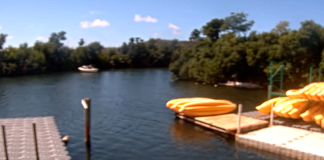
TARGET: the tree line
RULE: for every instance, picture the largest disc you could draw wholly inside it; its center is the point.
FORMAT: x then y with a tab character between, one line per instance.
226	49
223	49
54	56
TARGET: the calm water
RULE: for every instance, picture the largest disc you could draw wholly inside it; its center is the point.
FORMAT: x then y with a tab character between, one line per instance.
129	117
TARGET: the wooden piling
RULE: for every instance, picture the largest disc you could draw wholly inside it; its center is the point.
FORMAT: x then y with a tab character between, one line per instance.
86	106
4	142
65	139
35	141
88	149
238	131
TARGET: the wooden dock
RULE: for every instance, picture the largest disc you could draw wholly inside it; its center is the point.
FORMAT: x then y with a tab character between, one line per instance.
227	123
290	138
287	141
18	142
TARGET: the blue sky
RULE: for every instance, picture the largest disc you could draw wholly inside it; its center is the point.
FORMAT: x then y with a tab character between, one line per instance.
113	22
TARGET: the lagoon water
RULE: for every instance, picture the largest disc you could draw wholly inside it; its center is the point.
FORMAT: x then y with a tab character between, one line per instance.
129	118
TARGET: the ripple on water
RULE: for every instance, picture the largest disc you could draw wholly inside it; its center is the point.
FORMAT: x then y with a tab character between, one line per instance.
6	95
129	119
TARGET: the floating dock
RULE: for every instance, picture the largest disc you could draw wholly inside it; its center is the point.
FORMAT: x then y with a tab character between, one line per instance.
287	137
287	141
18	142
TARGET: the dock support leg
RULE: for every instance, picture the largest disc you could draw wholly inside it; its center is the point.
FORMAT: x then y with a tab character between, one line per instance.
35	141
4	142
238	131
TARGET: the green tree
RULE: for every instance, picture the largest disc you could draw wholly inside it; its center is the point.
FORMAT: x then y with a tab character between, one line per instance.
212	29
195	35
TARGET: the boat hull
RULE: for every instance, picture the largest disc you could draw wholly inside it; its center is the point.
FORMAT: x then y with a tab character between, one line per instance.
88	70
241	85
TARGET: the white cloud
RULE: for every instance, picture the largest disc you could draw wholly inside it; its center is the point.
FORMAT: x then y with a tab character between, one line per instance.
172	26
9	37
0	27
174	29
139	18
31	26
41	38
95	23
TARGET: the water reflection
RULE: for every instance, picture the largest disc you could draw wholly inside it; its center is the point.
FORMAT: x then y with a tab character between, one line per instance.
86	74
130	120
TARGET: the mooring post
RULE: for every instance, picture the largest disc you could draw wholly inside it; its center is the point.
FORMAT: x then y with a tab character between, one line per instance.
35	141
271	115
88	149
4	142
238	131
86	106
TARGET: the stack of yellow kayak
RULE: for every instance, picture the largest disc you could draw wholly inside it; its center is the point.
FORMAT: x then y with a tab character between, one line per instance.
199	106
306	103
313	91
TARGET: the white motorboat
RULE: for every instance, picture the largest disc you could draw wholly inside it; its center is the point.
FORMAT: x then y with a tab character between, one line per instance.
240	84
88	68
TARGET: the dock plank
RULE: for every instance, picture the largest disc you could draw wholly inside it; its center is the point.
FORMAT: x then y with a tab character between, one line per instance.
227	123
20	140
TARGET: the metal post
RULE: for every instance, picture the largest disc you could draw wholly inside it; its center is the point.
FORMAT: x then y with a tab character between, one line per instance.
86	106
281	75
319	74
271	68
35	141
270	81
310	75
4	142
271	115
238	131
269	91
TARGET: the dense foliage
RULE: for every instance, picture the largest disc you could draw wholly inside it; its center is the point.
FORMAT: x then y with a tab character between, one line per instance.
223	49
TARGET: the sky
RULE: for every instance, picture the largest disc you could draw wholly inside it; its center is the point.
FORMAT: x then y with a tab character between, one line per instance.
114	22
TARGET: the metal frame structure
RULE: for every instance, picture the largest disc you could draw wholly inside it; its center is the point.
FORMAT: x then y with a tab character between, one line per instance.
310	78
272	80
